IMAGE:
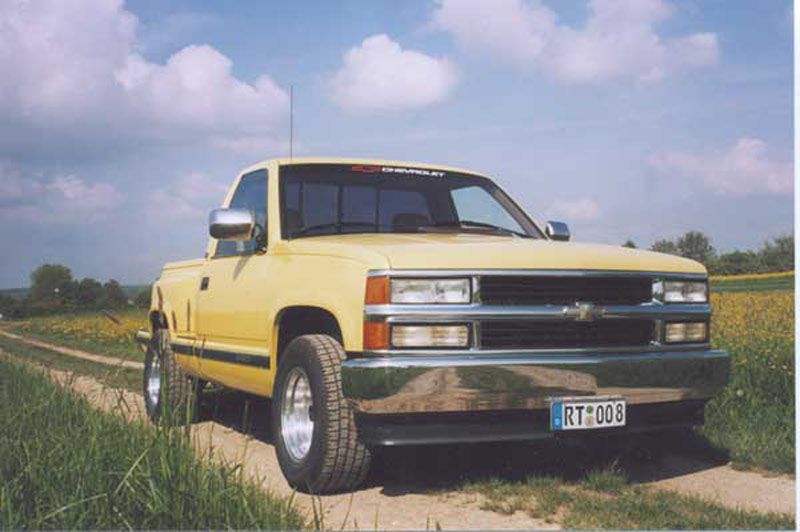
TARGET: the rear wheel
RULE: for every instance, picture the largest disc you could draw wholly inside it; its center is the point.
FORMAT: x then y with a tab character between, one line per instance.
170	395
312	424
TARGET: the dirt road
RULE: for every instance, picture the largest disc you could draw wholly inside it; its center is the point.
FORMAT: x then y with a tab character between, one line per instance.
417	488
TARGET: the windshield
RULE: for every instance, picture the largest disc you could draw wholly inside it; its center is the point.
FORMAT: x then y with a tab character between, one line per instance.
327	199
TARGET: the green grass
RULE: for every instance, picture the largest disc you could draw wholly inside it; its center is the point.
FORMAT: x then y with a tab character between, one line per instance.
88	331
603	499
638	507
65	465
95	347
753	285
127	378
753	417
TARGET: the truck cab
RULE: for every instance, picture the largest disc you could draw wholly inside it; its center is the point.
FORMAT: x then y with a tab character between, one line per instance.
395	303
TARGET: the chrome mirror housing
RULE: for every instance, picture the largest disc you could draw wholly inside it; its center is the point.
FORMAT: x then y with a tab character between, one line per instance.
557	231
231	224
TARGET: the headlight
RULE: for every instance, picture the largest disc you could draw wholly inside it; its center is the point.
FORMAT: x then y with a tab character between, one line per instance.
431	291
681	291
430	336
695	331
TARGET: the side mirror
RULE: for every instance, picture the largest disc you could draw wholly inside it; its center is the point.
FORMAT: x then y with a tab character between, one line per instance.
231	224
557	231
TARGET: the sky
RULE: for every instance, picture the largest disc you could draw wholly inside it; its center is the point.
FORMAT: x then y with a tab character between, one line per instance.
122	123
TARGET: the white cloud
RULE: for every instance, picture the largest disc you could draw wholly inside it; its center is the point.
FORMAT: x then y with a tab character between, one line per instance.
740	170
64	199
195	89
618	41
379	75
74	65
190	198
575	210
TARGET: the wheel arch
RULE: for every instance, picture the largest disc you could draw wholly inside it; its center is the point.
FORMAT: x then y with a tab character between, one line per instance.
298	320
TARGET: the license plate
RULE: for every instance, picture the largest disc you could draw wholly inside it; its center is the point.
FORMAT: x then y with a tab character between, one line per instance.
581	414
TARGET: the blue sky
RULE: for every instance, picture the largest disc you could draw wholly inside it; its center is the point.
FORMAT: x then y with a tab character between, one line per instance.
122	123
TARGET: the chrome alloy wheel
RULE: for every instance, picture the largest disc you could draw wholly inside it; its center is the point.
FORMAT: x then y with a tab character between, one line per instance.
154	380
297	427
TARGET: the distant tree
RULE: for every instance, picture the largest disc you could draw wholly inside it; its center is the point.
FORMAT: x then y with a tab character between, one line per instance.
665	246
68	293
47	282
735	263
12	308
90	292
778	255
629	244
143	298
113	295
697	246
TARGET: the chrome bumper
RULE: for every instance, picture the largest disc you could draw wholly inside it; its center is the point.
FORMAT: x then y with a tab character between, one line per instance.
473	382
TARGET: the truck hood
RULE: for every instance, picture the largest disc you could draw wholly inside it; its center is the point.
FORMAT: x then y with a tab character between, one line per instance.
479	251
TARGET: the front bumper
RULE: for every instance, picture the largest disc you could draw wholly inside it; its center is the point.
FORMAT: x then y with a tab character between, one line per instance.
471	382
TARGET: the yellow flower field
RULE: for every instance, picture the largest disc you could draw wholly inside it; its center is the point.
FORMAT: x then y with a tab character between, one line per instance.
758	323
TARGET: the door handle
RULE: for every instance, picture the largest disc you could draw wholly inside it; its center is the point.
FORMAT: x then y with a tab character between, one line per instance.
204	283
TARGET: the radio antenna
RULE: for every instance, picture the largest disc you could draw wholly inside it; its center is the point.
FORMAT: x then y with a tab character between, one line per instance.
291	120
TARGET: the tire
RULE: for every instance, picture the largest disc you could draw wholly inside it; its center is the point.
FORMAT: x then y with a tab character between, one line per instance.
332	459
170	395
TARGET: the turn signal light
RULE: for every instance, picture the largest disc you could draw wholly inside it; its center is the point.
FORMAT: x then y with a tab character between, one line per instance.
376	335
378	291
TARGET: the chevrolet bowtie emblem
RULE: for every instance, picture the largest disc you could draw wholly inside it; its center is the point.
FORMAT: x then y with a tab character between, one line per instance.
584	311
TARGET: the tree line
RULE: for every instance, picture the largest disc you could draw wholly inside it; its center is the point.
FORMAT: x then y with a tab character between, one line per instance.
775	255
54	290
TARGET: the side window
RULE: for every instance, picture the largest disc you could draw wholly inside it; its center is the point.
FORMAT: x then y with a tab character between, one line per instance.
477	205
250	194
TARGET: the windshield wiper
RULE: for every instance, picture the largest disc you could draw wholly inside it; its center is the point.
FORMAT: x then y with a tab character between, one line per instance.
482	225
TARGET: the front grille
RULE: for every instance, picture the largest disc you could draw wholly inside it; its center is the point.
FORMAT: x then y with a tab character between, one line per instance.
526	334
547	290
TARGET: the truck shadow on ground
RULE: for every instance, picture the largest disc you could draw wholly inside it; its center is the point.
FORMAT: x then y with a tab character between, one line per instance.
420	469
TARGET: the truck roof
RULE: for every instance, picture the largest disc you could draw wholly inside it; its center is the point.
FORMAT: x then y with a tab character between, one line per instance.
354	160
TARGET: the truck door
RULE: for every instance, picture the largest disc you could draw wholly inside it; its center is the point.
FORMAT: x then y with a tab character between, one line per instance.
232	317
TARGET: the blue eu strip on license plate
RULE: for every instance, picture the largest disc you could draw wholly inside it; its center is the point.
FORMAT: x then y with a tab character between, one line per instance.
582	414
556	409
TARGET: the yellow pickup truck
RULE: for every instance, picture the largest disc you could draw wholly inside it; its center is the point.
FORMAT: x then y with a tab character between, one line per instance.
396	303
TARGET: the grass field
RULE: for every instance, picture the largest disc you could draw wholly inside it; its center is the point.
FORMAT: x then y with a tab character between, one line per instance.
91	331
65	465
753	418
752	422
753	282
123	378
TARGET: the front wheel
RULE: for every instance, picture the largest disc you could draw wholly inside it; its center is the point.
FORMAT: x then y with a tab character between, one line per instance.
312	424
170	395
